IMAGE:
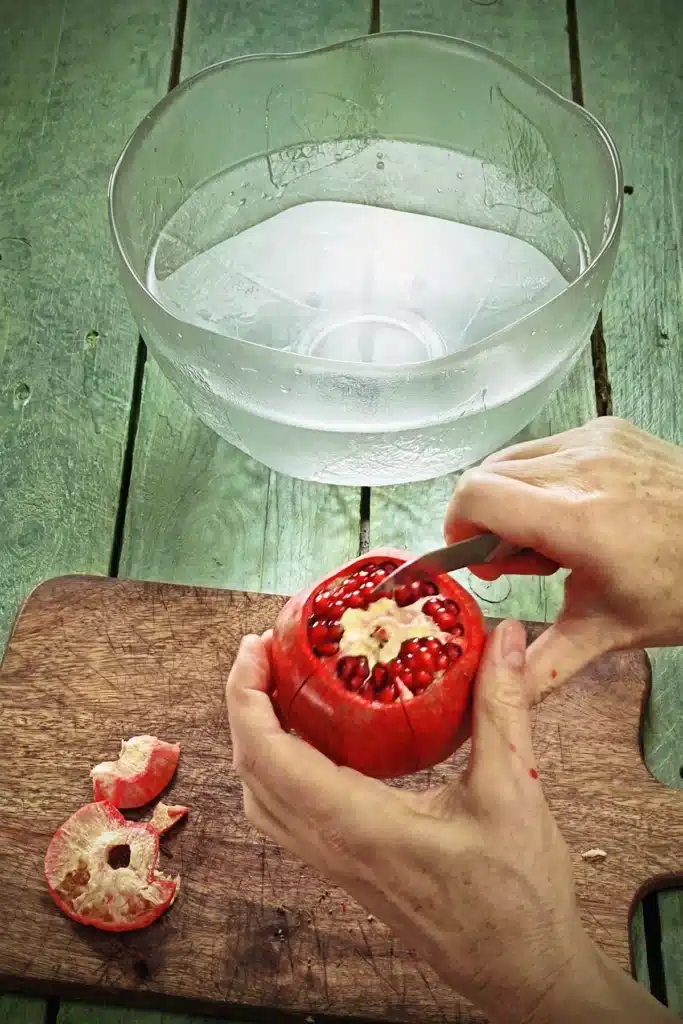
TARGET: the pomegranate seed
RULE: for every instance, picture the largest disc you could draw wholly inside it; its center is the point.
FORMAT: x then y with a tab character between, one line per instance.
356	600
403	595
317	631
432	607
387	695
388	567
422	679
433	645
367	587
335	632
425	661
326	650
406	677
337	609
416	590
363	669
322	601
458	630
451	606
453	653
379	575
410	647
354	683
394	668
445	621
346	668
379	676
418	690
428	588
441	662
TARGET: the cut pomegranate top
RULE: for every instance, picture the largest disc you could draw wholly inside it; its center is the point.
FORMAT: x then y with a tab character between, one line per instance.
342	656
101	870
144	768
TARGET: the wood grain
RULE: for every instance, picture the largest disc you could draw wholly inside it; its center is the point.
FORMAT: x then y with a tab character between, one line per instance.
633	80
200	511
92	660
76	77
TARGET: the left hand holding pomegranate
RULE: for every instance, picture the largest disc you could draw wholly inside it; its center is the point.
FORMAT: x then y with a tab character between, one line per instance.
475	876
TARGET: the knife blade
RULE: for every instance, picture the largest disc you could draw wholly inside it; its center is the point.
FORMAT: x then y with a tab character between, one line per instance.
482	548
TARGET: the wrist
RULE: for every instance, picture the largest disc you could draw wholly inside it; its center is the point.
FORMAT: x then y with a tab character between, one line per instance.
594	988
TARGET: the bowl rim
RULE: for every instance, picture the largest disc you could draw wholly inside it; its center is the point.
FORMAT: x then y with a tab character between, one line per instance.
154	115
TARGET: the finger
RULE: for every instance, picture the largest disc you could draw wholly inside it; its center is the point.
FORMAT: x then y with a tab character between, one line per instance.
501	720
566	647
526	450
287	775
530	564
500	504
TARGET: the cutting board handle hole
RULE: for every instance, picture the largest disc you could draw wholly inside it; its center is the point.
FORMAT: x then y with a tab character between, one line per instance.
119	856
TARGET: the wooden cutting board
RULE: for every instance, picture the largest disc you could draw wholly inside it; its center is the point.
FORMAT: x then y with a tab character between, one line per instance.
94	660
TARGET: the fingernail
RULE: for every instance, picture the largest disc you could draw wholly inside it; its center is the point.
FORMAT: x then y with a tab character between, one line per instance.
513	644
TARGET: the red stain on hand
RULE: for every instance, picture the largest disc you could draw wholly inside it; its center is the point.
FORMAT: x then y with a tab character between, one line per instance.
533	773
513	748
554	673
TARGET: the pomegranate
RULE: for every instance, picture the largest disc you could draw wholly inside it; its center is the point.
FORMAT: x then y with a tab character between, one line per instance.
144	768
165	817
101	870
377	684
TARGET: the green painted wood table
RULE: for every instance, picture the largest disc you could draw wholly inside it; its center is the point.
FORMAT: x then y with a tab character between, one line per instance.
103	469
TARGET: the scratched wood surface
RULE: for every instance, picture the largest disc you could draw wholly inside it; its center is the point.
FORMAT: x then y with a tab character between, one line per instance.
75	78
91	660
633	79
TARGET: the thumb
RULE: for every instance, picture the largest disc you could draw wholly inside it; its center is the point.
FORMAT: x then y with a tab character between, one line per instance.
501	720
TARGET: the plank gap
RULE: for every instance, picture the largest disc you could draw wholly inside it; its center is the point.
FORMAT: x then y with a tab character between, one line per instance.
51	1011
141	355
178	43
374	17
603	388
653	947
128	455
364	535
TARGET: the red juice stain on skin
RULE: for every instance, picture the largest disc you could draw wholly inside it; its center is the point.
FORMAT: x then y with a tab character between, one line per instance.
513	748
554	673
533	773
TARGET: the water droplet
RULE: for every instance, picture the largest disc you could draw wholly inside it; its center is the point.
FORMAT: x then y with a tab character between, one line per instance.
91	338
534	333
460	175
298	371
242	202
380	165
380	155
231	193
284	390
22	393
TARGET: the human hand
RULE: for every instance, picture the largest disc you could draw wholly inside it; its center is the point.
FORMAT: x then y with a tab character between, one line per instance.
475	876
605	501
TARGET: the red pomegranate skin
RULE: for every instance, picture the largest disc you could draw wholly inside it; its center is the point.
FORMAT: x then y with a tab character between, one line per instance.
383	740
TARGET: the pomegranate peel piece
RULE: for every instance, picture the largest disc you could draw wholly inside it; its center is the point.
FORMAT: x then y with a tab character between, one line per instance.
101	870
144	768
378	684
165	817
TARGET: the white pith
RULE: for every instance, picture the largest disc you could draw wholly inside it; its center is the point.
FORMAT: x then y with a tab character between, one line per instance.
377	632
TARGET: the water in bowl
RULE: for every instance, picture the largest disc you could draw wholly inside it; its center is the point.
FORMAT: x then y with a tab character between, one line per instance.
442	252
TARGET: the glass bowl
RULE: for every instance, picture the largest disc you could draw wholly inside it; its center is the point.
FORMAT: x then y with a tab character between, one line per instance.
371	263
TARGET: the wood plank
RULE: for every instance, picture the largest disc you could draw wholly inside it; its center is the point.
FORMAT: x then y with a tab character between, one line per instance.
84	1013
533	35
201	511
22	1010
633	80
67	342
94	659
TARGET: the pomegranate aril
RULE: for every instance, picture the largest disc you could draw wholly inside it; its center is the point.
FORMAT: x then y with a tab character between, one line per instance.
458	630
354	683
379	575
317	631
335	632
406	678
410	646
326	650
387	695
403	595
446	621
425	661
433	645
432	607
379	676
422	679
441	662
428	588
337	609
321	603
394	668
356	599
451	606
453	653
346	668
